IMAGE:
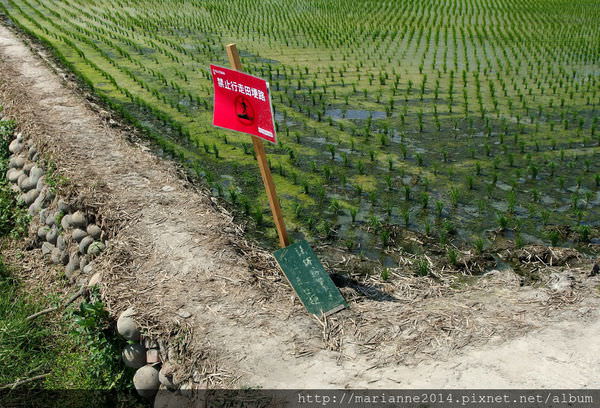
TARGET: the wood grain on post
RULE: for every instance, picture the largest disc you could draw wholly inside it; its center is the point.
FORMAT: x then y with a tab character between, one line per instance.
263	164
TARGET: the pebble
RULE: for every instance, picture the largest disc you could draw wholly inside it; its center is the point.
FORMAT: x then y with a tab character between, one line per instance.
183	313
63	206
16	163
145	381
32	152
95	248
28	184
13	175
22	177
15	146
64	257
37	205
78	234
95	279
83	261
41	232
165	376
61	244
66	221
77	220
35	174
127	327
41	183
73	264
152	356
47	248
55	256
52	235
50	219
89	268
134	355
94	231
30	197
84	244
28	166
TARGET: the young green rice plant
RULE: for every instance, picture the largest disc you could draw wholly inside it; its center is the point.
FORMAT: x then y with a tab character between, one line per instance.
455	195
385	237
374	222
258	216
479	245
584	233
385	274
353	213
422	267
452	256
405	213
439	209
424	200
519	241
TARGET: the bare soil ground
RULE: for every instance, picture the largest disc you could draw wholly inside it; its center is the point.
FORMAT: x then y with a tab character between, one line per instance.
173	250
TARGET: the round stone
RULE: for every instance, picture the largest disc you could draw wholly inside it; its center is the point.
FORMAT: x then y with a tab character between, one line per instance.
52	235
41	232
78	234
50	219
29	184
94	231
65	222
35	174
55	256
64	257
134	355
38	204
21	178
89	268
95	279
15	146
16	163
128	328
83	261
13	175
84	244
78	220
41	183
165	376
28	166
95	248
145	381
32	152
73	264
61	244
47	248
30	196
63	206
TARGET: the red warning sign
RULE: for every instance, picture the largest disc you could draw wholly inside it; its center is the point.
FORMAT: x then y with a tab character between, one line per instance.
242	103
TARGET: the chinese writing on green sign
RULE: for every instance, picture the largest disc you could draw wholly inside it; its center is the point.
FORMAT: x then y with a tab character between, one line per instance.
309	279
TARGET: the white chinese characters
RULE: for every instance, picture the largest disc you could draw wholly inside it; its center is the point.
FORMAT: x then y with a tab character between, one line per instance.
243	89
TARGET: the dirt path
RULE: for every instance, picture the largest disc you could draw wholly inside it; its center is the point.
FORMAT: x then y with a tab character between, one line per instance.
174	251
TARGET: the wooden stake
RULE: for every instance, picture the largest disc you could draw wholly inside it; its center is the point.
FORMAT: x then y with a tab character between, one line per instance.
263	164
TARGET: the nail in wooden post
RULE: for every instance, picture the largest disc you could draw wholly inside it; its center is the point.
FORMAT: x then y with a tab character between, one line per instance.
261	157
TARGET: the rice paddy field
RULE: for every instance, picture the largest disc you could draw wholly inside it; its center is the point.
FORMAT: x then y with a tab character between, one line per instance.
464	122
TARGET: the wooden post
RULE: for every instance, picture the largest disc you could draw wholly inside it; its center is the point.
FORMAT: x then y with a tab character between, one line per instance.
263	164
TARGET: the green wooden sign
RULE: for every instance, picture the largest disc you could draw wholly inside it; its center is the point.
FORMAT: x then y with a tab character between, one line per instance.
312	283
